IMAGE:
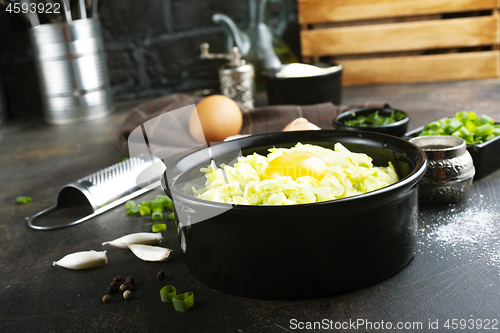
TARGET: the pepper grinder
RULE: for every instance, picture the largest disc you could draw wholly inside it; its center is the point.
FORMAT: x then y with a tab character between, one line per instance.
237	77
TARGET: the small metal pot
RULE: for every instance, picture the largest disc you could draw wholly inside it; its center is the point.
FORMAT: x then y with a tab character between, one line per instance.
450	169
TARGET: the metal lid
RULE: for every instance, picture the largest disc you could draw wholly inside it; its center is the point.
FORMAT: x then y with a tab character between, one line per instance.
440	147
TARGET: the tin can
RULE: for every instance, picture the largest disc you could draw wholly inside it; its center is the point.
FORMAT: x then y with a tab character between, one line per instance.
72	69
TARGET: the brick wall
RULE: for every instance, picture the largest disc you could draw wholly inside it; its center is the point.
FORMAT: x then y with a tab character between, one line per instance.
152	46
160	54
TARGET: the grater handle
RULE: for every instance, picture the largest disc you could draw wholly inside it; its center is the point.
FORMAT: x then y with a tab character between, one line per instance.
97	212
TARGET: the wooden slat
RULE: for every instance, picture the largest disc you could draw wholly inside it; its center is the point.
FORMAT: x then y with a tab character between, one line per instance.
463	32
319	11
427	68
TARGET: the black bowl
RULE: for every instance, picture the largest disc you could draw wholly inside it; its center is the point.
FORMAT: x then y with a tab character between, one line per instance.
398	128
299	251
304	90
486	155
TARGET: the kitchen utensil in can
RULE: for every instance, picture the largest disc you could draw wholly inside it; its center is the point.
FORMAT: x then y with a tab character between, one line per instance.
106	188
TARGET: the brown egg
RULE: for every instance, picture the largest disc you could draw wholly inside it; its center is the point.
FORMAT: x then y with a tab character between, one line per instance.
219	117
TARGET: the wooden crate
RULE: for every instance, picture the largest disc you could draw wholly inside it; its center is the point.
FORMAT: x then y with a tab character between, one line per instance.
393	41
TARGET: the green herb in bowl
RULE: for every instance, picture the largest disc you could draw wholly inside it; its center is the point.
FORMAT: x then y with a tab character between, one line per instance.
374	119
467	125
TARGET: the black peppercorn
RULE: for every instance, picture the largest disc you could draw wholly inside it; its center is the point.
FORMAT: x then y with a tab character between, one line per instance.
127	294
130	286
160	275
117	279
106	298
112	289
130	280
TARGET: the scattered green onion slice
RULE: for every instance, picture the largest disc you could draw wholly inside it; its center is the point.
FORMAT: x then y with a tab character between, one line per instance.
23	200
130	204
157	216
183	302
133	211
146	203
121	159
144	210
156	205
171	216
167	293
159	227
164	198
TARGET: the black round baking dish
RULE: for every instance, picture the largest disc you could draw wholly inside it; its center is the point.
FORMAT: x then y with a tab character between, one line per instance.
299	251
305	90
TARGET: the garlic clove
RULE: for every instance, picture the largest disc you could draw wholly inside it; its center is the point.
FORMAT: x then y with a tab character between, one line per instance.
150	253
300	124
82	260
145	238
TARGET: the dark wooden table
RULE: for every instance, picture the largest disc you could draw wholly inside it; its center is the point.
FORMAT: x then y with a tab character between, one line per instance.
454	275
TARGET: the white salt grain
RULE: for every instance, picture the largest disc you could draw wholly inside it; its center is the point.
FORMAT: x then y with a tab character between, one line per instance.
467	227
474	232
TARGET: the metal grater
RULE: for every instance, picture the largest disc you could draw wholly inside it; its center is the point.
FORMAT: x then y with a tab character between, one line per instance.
108	188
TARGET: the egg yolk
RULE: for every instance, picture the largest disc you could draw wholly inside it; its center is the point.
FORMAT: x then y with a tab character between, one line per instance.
296	164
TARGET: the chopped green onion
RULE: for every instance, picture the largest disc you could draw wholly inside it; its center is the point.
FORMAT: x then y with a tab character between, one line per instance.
466	125
167	293
148	204
485	120
453	126
484	130
157	216
163	197
169	205
489	137
434	126
156	206
183	302
121	159
159	227
171	216
23	200
144	210
470	126
374	119
166	201
133	211
130	204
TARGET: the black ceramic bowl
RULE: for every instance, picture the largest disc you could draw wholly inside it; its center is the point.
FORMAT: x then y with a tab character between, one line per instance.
304	90
486	156
300	251
398	128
